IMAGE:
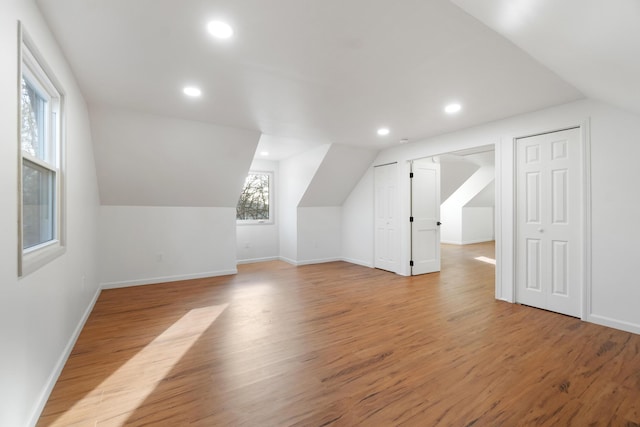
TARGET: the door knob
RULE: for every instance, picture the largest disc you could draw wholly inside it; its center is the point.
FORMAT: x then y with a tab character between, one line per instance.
438	223
540	230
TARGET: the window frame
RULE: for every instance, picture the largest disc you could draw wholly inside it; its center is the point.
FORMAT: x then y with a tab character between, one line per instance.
271	219
34	69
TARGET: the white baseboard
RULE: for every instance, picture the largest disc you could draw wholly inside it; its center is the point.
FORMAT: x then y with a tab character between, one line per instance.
471	242
254	260
62	360
165	279
358	262
466	242
288	260
613	323
318	261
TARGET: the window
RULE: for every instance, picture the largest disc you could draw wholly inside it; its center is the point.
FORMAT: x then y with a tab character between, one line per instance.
256	201
40	139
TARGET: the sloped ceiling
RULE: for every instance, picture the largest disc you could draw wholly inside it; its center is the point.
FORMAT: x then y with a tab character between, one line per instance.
336	176
456	168
149	160
593	44
317	70
277	148
453	173
485	198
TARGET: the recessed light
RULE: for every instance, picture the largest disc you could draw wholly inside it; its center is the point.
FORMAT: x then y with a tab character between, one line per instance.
219	29
452	108
383	131
264	153
192	91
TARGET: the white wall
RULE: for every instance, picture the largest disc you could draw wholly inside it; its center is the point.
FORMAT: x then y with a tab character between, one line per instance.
319	234
257	242
358	222
477	225
142	244
310	189
451	228
453	174
169	188
485	198
261	242
458	224
295	175
615	146
479	217
41	313
319	213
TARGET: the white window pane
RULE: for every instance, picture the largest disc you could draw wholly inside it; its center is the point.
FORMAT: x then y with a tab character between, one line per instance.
34	116
37	204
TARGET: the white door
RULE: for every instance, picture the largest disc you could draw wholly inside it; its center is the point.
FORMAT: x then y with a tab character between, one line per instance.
425	214
387	242
549	217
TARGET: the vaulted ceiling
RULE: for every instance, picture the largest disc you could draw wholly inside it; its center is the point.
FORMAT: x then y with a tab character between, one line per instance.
593	44
317	70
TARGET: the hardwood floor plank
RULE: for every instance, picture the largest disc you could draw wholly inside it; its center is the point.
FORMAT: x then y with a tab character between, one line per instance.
340	345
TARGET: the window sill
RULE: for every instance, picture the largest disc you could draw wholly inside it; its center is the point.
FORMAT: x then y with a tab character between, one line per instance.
37	257
255	222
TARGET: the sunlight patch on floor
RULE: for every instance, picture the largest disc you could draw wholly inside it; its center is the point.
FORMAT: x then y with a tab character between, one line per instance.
485	259
118	396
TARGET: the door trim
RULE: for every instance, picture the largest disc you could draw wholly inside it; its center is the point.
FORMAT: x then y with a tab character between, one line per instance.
385	164
585	212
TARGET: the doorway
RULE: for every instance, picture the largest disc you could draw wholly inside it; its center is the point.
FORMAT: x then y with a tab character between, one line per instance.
465	212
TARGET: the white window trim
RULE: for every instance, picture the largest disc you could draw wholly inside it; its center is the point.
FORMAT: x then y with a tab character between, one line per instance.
271	219
31	63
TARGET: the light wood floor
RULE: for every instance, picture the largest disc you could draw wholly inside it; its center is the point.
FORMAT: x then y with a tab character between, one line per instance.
341	345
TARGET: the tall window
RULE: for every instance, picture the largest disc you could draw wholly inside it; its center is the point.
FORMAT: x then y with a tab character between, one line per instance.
40	231
255	203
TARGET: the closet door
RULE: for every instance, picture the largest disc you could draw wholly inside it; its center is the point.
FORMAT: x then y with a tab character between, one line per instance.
548	222
387	240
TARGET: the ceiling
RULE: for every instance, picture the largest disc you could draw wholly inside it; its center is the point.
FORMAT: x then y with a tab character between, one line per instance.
279	148
593	44
316	71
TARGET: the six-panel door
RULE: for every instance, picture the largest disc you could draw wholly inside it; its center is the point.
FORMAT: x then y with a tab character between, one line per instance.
548	221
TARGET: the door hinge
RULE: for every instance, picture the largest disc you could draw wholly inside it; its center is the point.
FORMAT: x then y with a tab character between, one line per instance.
410	263
410	174
410	219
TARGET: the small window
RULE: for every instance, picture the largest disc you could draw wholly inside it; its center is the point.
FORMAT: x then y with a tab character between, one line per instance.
40	140
255	204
